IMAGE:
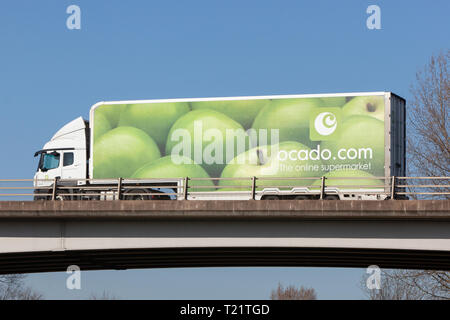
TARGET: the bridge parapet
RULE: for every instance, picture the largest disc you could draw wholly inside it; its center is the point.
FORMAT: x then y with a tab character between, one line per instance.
212	209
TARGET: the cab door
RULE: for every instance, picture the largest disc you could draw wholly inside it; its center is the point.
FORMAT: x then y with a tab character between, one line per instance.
49	167
73	164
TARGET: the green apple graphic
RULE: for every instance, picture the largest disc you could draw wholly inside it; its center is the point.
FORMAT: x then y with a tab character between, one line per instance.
335	178
203	135
121	151
333	101
271	161
290	116
111	112
101	125
365	136
165	168
154	118
372	106
242	111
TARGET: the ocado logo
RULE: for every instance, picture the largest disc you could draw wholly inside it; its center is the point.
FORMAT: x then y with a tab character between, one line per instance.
325	123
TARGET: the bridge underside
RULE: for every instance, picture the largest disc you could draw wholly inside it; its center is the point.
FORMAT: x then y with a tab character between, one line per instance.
50	236
222	257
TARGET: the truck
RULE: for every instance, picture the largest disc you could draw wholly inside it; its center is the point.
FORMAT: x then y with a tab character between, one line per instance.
309	146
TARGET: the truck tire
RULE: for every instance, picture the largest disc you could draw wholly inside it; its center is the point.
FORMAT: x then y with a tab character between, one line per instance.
128	195
271	198
37	195
63	196
331	197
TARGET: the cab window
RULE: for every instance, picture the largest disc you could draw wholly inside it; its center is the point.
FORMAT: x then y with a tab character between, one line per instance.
50	161
68	159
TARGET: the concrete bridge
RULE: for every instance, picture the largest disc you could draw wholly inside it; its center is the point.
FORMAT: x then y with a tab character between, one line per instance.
46	236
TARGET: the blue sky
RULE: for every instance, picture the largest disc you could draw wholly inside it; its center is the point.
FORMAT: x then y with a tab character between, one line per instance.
126	50
202	283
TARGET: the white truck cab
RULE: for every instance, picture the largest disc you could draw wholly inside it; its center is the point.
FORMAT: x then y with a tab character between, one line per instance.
65	156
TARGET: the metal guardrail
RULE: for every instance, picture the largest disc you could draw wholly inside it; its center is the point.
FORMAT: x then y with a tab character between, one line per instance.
114	189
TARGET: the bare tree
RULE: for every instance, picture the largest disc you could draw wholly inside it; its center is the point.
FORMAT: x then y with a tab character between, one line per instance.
410	285
104	296
12	288
428	156
428	131
293	293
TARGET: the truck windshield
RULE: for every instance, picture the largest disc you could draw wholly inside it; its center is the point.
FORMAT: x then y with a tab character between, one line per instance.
49	161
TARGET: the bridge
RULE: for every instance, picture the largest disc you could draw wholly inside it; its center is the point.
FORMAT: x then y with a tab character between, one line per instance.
46	236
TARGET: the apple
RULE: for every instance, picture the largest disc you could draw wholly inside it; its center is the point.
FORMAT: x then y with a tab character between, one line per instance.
372	106
334	178
280	160
290	116
166	168
202	136
101	125
361	134
154	118
121	151
111	112
242	111
333	101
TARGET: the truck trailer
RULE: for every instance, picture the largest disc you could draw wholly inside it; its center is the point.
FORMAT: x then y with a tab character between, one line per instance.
310	146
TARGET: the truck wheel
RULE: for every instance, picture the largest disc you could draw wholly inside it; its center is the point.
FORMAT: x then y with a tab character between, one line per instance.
63	196
329	197
141	196
39	197
271	198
